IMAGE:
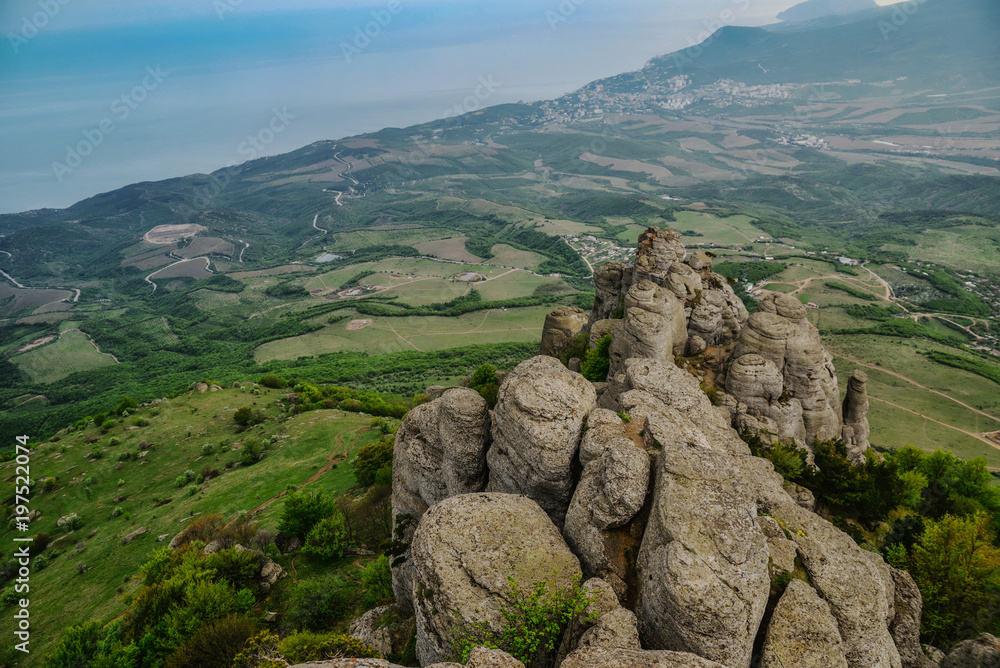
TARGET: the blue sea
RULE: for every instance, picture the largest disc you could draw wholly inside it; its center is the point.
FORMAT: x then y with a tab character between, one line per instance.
98	94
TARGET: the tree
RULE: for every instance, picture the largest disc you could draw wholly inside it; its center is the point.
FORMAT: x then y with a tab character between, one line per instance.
329	538
957	569
372	458
302	511
597	362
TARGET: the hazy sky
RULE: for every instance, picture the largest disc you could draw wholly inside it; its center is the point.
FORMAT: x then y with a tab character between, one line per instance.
151	89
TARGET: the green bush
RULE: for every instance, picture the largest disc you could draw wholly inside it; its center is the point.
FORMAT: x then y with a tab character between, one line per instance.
377	580
302	511
307	646
273	381
207	449
215	644
533	623
371	458
248	417
251	452
329	538
316	605
597	362
486	383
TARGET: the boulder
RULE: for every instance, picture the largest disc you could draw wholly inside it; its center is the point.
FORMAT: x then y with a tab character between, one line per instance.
561	326
905	626
465	549
802	632
65	518
983	651
617	629
537	426
384	629
600	329
650	297
440	451
855	409
348	663
133	535
642	334
610	493
484	657
635	658
659	249
780	550
611	281
702	567
756	382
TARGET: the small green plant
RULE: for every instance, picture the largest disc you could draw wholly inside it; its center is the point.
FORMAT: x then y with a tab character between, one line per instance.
533	622
107	425
116	511
207	449
597	362
625	417
307	646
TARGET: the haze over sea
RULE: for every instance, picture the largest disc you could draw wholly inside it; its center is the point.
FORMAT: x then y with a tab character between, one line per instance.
226	66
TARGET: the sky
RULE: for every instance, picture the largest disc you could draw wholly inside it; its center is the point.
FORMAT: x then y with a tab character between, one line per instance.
98	94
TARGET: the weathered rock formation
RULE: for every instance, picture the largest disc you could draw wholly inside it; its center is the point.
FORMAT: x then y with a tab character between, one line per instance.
780	333
561	326
440	451
538	422
463	552
855	433
611	281
802	632
982	651
611	492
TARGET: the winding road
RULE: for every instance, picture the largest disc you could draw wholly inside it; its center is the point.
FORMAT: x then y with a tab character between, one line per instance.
208	268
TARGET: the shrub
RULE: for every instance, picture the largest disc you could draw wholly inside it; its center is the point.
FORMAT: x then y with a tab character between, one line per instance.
239	568
74	523
207	472
76	647
316	605
203	529
248	416
371	458
116	511
272	381
251	452
207	449
306	646
215	644
9	596
329	538
377	580
597	362
532	623
486	383
302	511
108	424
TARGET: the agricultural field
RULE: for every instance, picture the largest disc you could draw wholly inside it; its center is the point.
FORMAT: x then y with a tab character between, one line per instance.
422	333
133	485
924	407
72	352
730	231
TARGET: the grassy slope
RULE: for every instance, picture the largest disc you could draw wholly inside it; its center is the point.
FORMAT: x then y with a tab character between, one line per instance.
178	428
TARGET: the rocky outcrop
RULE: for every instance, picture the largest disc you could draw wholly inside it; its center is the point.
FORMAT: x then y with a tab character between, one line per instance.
982	651
617	629
658	250
611	282
610	493
758	384
780	333
348	663
802	632
440	451
463	552
537	425
855	412
905	626
383	629
702	567
561	326
632	658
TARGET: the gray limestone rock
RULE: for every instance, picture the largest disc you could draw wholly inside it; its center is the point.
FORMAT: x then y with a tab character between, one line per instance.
561	325
537	426
983	651
905	626
659	250
855	409
611	281
702	567
440	451
463	552
802	632
616	629
633	658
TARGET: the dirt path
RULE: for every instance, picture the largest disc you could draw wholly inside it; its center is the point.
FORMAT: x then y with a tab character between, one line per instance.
245	247
889	294
11	279
316	218
339	449
916	384
208	268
